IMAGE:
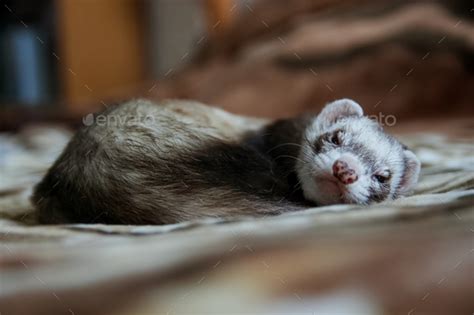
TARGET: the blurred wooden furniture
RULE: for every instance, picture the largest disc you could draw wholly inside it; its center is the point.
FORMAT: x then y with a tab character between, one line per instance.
219	15
101	50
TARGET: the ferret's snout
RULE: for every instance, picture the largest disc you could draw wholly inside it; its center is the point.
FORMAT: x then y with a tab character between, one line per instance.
344	172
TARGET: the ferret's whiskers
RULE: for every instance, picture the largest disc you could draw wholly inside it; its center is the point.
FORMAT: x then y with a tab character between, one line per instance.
308	155
283	144
305	137
292	157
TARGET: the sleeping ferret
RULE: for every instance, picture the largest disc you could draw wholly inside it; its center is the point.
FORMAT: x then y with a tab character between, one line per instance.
146	163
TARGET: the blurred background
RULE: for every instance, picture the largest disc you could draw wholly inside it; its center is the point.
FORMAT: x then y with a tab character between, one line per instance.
272	58
408	63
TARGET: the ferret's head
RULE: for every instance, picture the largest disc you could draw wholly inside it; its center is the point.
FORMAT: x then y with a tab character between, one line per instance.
347	158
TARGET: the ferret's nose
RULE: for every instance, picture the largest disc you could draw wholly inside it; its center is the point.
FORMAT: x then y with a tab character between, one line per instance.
344	173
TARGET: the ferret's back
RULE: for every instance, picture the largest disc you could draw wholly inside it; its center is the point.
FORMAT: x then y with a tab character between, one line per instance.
139	161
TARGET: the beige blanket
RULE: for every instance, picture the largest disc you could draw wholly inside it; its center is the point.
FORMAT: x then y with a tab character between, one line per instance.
410	256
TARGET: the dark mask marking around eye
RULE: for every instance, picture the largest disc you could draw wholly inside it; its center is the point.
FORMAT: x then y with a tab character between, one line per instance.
325	141
318	145
378	195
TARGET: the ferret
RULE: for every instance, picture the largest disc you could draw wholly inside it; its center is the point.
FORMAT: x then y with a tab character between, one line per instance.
146	163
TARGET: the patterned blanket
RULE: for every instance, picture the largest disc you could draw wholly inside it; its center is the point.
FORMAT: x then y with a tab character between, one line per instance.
412	256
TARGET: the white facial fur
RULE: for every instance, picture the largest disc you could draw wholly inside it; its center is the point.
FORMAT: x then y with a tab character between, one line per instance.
363	143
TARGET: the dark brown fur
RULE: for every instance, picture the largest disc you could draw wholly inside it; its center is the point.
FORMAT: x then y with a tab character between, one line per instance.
131	176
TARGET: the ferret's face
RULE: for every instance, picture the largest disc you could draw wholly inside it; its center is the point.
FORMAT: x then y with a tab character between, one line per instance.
347	158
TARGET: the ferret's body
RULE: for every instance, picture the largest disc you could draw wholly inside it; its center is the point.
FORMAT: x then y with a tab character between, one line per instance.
146	163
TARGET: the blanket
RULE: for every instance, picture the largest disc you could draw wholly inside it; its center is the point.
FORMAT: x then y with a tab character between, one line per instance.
413	255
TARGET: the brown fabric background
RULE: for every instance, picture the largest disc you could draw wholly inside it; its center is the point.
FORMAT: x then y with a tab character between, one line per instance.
405	58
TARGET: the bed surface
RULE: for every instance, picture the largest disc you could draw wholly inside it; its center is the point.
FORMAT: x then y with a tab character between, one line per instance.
411	256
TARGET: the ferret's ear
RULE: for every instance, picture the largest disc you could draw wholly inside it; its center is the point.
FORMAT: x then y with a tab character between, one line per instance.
412	171
338	109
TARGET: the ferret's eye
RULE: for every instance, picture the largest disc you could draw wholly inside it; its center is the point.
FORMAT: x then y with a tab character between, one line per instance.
382	178
336	137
